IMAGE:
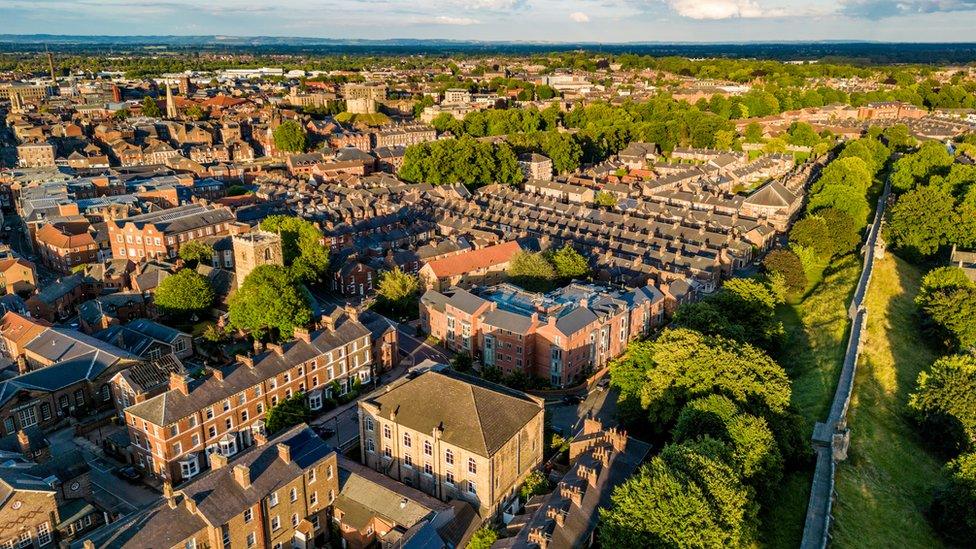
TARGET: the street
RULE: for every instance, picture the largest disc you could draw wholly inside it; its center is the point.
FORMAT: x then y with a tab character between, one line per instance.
567	419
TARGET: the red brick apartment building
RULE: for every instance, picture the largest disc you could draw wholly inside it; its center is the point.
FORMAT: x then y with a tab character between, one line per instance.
561	336
474	267
160	234
175	434
61	248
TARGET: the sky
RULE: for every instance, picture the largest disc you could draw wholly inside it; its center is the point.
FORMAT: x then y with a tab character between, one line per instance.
524	20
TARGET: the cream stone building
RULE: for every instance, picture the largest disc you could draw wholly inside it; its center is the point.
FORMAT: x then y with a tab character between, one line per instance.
453	436
254	249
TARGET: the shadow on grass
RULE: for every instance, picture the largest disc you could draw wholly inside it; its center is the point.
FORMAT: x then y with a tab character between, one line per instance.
886	485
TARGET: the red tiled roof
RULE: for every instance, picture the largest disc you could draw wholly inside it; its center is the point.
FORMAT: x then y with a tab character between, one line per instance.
49	234
474	259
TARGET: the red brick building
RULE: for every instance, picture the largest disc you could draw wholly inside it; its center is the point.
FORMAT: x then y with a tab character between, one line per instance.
160	234
63	247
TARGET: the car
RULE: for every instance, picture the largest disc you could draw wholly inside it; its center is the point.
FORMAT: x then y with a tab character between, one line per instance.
572	399
128	473
603	384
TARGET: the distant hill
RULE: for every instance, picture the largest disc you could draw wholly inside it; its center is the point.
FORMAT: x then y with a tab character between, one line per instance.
872	52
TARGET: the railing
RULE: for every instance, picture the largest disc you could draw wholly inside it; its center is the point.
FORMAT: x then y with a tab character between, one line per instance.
831	436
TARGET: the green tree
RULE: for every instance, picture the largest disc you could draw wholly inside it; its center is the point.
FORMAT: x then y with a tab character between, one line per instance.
301	244
483	538
398	290
743	310
846	199
850	172
922	221
604	198
288	413
196	251
150	108
845	236
290	137
269	303
531	271
195	112
786	263
184	293
916	168
569	263
121	114
953	510
535	484
944	403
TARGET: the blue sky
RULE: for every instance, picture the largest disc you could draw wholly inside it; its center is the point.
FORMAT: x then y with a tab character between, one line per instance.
534	20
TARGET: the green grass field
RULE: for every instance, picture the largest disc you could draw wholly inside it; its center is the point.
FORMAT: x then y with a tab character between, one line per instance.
373	119
816	336
886	483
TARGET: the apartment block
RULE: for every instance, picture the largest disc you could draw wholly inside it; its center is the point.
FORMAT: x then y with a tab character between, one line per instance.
176	434
159	235
453	436
562	336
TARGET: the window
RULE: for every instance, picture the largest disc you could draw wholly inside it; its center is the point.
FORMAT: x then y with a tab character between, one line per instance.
387	432
225	535
449	477
331	496
248	515
251	540
229	423
311	476
294	495
471	488
294	519
24	540
408	460
406	440
370	446
275	523
43	534
428	469
45	411
227	405
273	499
449	456
79	397
369	424
314	498
328	472
177	449
189	468
314	519
472	466
387	452
209	412
211	431
428	448
27	417
243	416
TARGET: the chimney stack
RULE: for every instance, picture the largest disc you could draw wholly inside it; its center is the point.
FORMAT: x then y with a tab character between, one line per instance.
168	494
303	334
242	474
284	452
218	374
24	442
352	313
218	461
178	383
245	360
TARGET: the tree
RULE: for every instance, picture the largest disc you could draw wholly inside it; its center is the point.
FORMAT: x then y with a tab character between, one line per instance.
953	510
743	310
683	498
849	172
150	108
922	221
195	112
121	114
301	245
846	199
287	413
788	264
535	484
531	271
290	137
947	299
196	251
569	263
269	303
844	234
682	365
483	538
944	402
916	168
603	198
184	293
398	291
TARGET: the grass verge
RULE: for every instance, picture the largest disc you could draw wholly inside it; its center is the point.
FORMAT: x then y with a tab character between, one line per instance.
886	483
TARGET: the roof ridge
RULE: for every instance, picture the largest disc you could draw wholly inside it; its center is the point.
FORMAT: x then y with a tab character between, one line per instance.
477	409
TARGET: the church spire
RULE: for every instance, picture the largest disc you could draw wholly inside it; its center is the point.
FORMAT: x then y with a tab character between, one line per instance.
170	104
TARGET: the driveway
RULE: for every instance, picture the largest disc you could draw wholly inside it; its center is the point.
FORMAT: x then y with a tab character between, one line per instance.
568	418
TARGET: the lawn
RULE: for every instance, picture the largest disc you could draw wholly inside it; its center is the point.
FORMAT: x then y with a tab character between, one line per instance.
886	483
816	335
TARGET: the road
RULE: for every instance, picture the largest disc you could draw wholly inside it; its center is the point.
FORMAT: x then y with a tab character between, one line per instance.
415	348
567	419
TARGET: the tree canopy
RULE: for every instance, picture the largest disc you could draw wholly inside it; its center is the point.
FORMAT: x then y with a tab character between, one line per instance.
947	299
269	304
288	413
461	161
301	245
743	310
923	220
944	402
788	264
196	252
184	293
531	271
290	136
568	263
150	108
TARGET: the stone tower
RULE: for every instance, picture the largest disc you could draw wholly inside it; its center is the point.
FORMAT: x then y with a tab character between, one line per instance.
254	249
170	103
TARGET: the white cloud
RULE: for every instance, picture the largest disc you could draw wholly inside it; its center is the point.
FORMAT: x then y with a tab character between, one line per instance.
579	17
462	21
722	9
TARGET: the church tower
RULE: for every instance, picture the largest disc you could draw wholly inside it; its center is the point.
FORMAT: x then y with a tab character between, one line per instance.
170	103
254	249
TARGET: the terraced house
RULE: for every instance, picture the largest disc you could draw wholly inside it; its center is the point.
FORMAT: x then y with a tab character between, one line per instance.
176	434
275	494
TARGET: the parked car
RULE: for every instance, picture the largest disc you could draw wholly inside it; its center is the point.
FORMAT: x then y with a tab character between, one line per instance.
572	399
128	473
603	384
323	431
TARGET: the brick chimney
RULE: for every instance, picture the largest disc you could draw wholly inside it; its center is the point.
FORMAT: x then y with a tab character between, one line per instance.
303	334
260	439
218	461
218	374
276	348
245	360
24	442
284	452
242	474
352	313
168	494
587	473
539	537
557	515
178	383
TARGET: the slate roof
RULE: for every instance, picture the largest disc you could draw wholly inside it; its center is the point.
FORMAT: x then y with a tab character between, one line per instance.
474	414
474	259
180	218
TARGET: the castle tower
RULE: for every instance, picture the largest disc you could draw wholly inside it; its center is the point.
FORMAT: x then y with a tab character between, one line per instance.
254	249
170	104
